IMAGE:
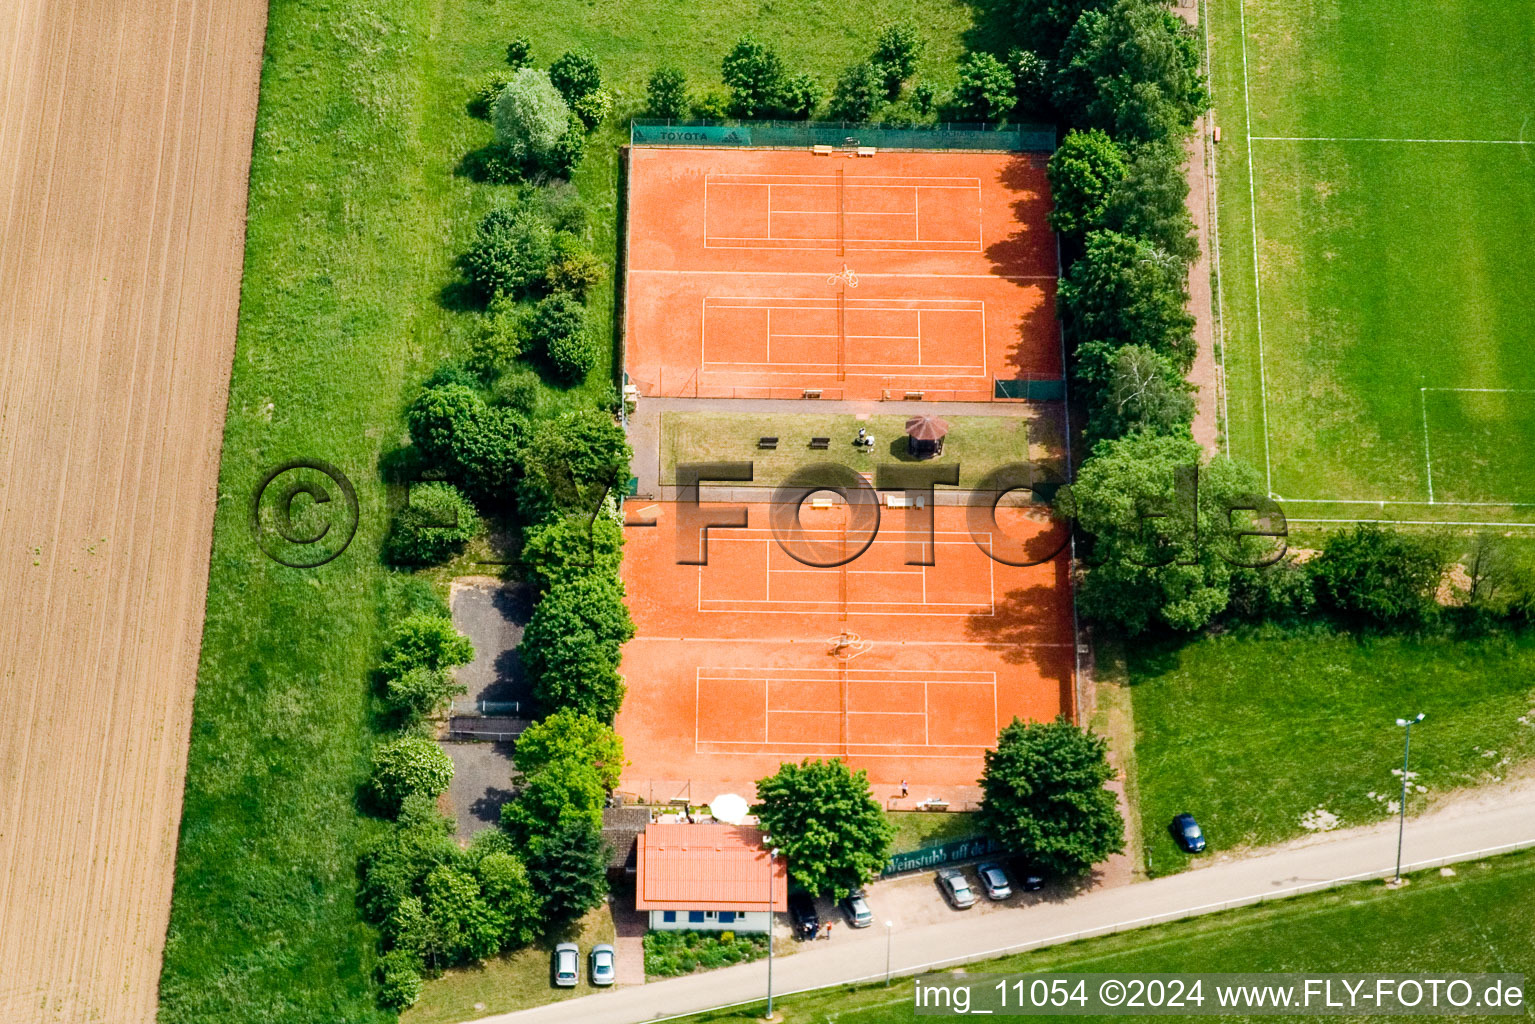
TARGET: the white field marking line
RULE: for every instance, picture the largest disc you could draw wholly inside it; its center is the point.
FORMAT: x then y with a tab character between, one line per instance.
1358	138
1428	460
1404	501
1252	199
862	274
1488	391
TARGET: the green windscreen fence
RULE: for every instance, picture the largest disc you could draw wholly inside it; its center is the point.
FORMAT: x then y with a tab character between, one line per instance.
1038	390
841	135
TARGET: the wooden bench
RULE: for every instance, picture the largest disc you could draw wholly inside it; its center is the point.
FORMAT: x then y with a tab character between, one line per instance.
767	442
820	443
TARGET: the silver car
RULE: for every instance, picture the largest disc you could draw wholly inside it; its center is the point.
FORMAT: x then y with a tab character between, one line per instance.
567	965
994	881
604	964
956	888
856	909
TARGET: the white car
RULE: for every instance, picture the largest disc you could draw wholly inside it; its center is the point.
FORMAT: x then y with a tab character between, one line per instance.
994	881
567	965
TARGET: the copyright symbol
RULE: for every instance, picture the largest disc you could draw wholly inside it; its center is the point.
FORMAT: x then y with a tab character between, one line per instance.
1111	992
304	513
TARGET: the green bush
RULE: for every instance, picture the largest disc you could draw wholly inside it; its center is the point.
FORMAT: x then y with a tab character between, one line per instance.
572	267
1084	172
593	108
497	341
986	90
569	463
409	765
714	105
568	149
419	693
510	253
425	640
575	74
519	53
486	92
570	648
666	94
1380	577
1128	292
436	417
670	953
859	92
571	546
530	116
924	98
433	527
399	980
895	55
518	390
558	327
1031	79
488	452
754	73
801	96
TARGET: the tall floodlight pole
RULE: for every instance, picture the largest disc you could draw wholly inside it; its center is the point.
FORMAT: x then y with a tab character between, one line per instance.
889	932
772	854
1401	828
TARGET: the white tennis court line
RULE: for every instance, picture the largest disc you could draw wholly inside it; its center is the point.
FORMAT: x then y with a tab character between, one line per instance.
1360	138
864	244
861	274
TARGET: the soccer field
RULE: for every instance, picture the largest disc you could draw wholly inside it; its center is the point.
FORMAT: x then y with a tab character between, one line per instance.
1376	197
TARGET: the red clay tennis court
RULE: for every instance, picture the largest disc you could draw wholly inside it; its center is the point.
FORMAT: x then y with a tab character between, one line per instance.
907	671
770	273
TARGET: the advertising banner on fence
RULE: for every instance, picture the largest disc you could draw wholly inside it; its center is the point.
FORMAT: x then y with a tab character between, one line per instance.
936	856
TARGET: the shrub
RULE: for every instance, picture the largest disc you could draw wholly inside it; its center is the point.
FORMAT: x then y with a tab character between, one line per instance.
1281	592
1379	577
1128	292
569	463
450	371
509	893
519	53
1144	394
569	868
593	108
572	267
435	524
895	55
1150	202
575	74
801	96
485	93
858	94
986	90
425	640
1031	79
494	165
436	417
714	105
567	791
670	953
497	342
409	765
488	453
511	251
558	326
570	648
666	94
399	982
569	547
530	116
754	74
419	693
924	98
568	149
518	390
567	741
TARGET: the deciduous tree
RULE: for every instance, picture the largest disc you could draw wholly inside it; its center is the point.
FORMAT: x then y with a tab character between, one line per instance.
833	833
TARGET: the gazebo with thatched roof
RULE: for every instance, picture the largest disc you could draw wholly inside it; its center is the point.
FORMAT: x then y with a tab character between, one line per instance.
924	436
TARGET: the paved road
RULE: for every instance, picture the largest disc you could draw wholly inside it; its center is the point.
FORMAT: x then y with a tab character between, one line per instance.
1461	831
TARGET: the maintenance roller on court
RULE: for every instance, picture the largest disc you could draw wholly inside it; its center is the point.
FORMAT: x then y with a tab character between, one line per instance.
773	273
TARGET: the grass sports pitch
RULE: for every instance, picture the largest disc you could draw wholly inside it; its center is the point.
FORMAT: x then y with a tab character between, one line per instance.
1377	188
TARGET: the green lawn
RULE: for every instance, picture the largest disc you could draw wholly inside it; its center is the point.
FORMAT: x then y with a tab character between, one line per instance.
1253	729
977	444
916	829
357	211
1385	264
1475	921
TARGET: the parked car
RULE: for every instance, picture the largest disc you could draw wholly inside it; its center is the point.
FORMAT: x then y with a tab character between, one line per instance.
1033	879
1188	833
994	881
807	923
856	909
955	888
604	964
567	965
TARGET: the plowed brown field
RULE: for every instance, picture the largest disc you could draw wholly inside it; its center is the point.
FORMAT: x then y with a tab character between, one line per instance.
125	141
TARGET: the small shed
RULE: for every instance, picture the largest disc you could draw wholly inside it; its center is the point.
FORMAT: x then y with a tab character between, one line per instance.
924	436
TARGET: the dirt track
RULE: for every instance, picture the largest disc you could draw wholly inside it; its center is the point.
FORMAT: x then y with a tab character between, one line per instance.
125	137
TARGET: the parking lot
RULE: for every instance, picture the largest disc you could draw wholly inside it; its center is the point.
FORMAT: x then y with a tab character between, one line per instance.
913	900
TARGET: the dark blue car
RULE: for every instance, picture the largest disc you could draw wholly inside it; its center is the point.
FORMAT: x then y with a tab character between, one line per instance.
1186	831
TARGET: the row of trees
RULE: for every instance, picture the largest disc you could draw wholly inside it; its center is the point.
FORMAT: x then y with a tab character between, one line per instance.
1043	800
759	84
